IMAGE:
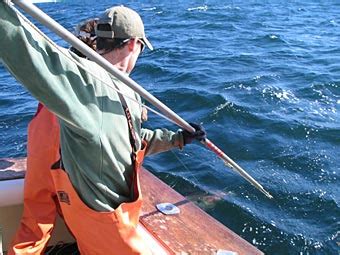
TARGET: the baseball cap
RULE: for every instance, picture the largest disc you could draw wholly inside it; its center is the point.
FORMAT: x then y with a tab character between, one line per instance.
124	22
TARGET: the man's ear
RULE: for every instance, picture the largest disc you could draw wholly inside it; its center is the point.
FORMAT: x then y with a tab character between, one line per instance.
132	44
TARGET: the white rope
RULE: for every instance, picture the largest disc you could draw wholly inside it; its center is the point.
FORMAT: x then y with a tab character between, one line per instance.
23	17
8	2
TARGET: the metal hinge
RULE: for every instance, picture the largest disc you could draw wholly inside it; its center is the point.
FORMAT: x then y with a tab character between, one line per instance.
168	208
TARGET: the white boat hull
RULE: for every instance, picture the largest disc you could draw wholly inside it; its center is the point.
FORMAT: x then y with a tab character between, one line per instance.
9	222
11	192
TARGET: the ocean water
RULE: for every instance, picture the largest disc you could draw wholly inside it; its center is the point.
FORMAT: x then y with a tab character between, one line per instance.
263	78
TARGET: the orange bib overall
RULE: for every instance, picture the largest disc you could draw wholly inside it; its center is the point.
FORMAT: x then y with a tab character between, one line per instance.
102	232
95	232
40	202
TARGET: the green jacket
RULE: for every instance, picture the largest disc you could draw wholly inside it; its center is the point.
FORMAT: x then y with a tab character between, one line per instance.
94	132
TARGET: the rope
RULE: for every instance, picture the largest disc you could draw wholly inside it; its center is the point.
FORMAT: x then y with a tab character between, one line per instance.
8	2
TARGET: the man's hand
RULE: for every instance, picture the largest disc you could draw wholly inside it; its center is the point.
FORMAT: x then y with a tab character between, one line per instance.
199	134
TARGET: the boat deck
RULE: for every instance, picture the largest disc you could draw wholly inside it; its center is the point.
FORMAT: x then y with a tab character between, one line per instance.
192	231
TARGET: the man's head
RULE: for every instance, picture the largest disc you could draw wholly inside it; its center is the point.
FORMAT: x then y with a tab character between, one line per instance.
117	26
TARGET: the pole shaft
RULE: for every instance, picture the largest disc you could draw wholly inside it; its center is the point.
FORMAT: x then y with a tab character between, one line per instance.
40	16
233	165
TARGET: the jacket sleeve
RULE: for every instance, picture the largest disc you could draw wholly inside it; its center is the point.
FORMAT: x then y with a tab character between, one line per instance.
51	77
160	140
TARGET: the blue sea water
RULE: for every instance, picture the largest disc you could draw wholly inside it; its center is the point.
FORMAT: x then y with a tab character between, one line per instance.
263	78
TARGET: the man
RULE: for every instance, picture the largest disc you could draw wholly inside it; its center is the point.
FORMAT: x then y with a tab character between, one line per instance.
96	172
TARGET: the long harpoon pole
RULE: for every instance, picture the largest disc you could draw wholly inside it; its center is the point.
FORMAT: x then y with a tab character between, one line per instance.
47	21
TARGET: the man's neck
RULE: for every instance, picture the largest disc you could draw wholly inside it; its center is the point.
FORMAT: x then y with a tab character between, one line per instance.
118	59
